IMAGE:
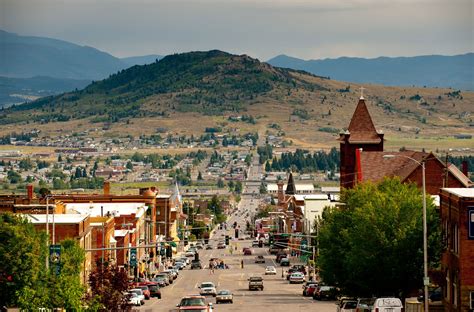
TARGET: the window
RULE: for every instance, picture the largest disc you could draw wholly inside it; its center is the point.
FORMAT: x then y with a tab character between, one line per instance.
471	300
455	289
448	287
455	239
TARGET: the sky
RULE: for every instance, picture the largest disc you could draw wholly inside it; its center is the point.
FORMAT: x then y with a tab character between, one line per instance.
307	29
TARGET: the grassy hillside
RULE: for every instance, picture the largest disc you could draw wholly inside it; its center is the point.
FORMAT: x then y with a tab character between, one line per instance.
186	93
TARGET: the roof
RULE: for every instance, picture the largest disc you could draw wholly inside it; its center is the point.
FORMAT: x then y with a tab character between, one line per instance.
316	197
375	167
299	187
114	209
290	188
460	192
330	189
361	127
58	218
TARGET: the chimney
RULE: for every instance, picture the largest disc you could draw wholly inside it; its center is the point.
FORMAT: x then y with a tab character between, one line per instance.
29	191
106	188
465	168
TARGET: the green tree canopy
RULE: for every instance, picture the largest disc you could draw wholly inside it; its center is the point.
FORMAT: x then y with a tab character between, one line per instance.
374	244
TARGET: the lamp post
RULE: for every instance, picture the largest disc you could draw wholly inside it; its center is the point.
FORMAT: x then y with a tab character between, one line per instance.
426	280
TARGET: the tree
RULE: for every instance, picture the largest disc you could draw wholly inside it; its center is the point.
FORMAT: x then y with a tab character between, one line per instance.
108	284
199	177
378	232
263	188
220	183
238	187
268	168
24	282
129	166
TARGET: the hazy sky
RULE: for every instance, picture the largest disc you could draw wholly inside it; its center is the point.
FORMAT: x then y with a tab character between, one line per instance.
309	29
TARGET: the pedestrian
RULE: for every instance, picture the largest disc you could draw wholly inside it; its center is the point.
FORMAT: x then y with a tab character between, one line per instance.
242	263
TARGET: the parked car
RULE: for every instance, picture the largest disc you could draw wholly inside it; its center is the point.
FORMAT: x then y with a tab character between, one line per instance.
189	253
207	288
247	251
270	270
296	277
325	292
285	262
209	247
255	243
346	304
138	292
309	288
281	255
387	305
162	277
153	287
197	303
255	282
260	259
365	304
133	299
224	296
146	291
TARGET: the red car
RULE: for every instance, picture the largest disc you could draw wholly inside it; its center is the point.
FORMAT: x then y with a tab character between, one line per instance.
309	290
153	287
146	291
247	251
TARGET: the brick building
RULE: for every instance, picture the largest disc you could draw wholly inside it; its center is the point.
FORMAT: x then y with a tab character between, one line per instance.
363	159
457	220
65	226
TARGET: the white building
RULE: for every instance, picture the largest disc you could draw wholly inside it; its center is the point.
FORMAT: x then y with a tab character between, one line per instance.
302	188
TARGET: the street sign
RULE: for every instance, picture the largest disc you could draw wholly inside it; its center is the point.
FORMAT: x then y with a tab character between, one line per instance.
55	258
133	257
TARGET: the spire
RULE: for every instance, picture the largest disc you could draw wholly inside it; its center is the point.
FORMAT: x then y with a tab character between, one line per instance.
362	128
290	187
176	195
362	92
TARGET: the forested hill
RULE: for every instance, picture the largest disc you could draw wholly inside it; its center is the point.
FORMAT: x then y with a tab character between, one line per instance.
209	82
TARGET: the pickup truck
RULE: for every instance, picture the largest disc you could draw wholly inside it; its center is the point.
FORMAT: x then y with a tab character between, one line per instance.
255	282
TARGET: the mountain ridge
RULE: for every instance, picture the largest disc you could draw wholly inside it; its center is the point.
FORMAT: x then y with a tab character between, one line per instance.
425	70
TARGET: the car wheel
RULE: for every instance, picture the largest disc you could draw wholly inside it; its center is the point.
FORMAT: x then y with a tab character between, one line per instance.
159	297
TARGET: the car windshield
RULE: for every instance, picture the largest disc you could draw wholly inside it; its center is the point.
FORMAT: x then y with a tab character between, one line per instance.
207	285
350	305
133	295
143	287
153	287
326	288
270	268
137	291
186	302
255	278
224	292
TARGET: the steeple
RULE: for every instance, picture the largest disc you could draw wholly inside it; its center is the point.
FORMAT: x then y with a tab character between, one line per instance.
361	128
290	187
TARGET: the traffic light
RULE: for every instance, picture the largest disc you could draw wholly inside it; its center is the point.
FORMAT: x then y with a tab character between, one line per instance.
227	239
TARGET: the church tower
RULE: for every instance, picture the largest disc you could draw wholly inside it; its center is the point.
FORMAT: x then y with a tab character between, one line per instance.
361	134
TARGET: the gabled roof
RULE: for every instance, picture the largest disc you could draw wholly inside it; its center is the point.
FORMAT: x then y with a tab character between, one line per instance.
375	167
361	128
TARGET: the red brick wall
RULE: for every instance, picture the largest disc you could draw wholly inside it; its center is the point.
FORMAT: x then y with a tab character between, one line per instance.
347	161
435	176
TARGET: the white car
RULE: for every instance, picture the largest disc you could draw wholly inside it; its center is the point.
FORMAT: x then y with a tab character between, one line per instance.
135	300
296	277
208	289
270	270
388	304
139	293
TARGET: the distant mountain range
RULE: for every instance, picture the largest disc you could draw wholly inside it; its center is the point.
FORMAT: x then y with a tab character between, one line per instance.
430	71
59	63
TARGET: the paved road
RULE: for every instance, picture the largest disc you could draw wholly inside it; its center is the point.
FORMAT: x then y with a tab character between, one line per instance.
278	295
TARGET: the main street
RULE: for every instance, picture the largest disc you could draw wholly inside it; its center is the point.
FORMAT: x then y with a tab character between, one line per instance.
277	295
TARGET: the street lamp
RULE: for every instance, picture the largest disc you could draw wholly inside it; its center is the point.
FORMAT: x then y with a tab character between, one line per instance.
425	230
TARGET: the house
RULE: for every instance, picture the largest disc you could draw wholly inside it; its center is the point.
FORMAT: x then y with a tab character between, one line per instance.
457	223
